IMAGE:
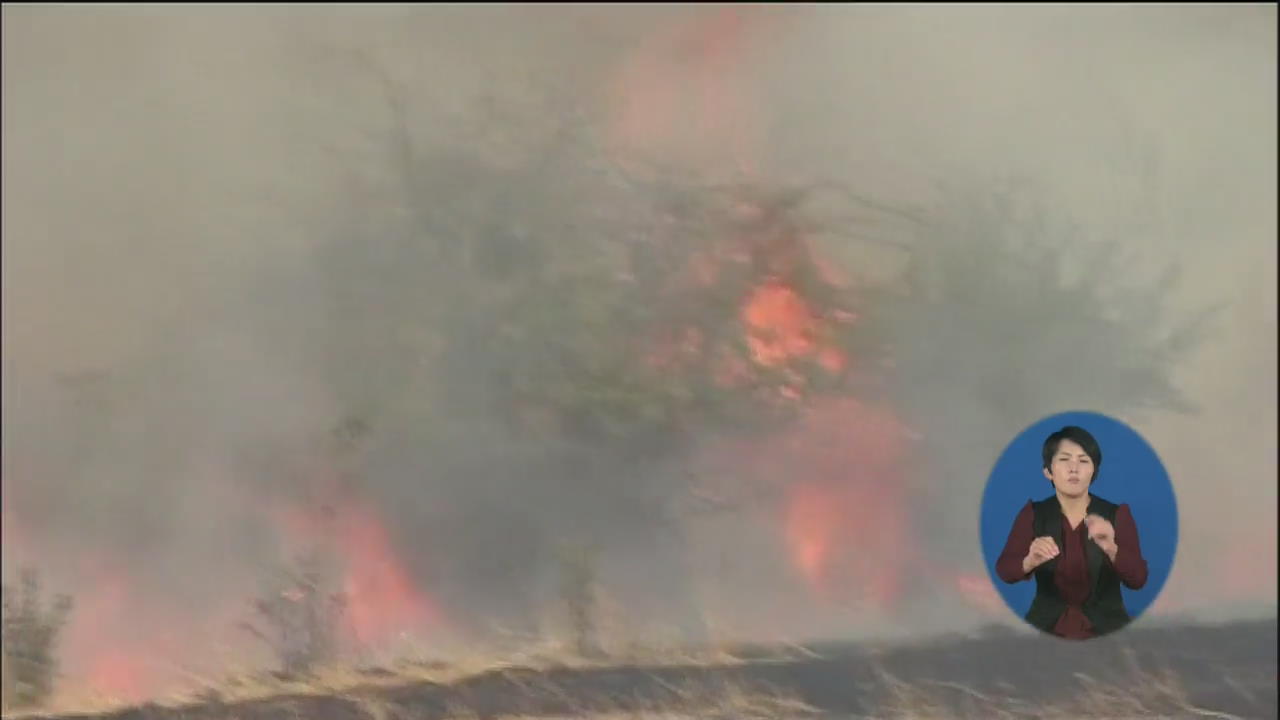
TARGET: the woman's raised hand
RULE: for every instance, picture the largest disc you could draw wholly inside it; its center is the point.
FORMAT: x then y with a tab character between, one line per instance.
1043	549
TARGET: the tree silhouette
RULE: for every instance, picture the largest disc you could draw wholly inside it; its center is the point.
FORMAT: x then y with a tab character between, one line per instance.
30	636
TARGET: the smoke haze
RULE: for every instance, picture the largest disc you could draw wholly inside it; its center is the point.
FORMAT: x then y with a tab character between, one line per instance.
173	358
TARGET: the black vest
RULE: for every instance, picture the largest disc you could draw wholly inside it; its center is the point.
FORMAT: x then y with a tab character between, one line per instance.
1104	607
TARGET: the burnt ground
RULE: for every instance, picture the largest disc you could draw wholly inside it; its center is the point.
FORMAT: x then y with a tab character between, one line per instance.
1229	670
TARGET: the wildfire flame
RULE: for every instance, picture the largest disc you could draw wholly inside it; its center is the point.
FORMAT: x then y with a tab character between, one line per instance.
843	518
126	642
779	324
848	541
128	639
381	600
812	526
843	511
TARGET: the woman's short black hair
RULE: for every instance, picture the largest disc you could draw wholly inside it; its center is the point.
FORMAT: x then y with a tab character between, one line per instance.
1077	435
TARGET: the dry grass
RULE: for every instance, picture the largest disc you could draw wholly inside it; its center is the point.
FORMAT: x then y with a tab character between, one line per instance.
1133	693
1128	691
1139	694
413	667
727	702
704	701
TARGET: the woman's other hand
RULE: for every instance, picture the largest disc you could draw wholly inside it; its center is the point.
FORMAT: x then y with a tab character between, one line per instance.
1103	534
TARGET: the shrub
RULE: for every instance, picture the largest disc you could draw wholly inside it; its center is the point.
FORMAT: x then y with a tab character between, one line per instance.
300	618
30	635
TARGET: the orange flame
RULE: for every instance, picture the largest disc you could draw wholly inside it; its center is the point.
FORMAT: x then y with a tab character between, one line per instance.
848	541
843	512
812	528
779	324
123	642
382	602
119	674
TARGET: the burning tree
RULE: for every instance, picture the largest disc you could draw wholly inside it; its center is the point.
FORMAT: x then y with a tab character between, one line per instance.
30	635
585	333
543	338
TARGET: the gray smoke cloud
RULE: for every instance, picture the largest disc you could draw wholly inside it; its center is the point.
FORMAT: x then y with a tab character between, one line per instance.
175	180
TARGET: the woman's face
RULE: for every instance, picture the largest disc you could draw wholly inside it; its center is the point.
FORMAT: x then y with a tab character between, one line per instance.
1070	470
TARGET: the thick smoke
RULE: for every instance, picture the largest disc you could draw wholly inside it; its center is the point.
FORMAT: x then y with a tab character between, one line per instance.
199	204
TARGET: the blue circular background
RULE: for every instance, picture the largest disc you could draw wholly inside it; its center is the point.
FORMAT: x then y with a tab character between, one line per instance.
1130	473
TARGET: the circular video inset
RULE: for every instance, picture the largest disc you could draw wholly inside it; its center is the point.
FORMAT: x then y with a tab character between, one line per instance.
1079	525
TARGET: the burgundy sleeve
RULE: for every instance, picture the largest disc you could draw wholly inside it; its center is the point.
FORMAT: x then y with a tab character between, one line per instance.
1009	565
1129	563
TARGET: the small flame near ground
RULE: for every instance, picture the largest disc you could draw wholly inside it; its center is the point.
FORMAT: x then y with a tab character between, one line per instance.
846	523
129	638
125	642
113	627
382	601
